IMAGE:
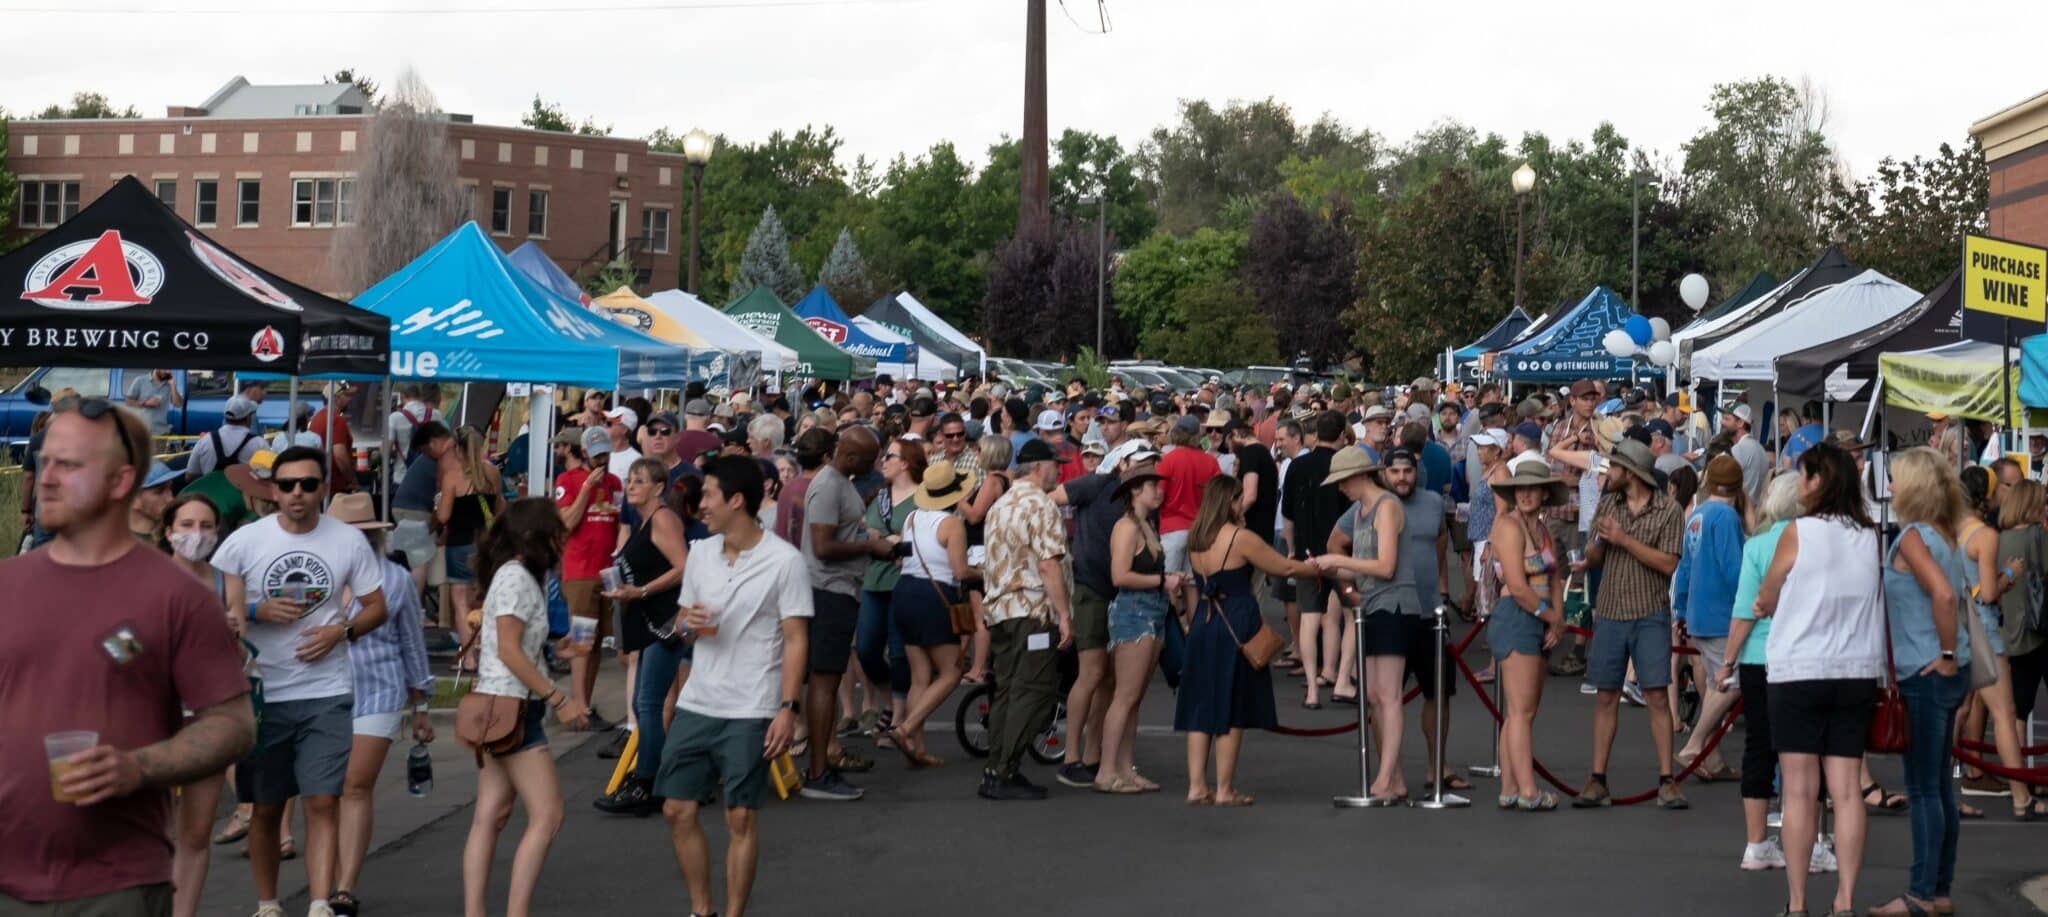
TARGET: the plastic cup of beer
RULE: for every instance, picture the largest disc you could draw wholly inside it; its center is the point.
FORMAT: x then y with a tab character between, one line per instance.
60	746
612	579
711	614
582	631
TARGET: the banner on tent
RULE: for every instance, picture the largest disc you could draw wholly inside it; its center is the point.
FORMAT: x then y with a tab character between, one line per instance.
1964	388
2005	278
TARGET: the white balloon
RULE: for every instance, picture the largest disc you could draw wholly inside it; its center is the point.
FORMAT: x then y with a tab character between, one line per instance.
1663	353
1619	343
1660	330
1693	289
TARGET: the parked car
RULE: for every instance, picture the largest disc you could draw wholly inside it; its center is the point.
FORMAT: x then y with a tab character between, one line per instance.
206	398
1263	376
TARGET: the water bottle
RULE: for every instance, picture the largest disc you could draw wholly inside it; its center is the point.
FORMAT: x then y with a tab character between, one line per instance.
419	770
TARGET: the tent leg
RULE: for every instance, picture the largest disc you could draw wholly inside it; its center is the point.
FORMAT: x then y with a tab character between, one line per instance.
540	435
384	450
291	408
327	437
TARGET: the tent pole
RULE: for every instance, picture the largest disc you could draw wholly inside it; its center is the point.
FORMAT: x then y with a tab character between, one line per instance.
291	408
384	450
540	438
327	438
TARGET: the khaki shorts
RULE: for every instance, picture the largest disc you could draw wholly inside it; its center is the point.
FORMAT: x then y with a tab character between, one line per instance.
415	555
585	602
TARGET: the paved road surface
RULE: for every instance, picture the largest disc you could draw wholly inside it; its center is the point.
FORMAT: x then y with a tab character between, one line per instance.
921	843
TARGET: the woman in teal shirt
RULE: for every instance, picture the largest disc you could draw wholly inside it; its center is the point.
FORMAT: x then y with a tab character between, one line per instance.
1745	664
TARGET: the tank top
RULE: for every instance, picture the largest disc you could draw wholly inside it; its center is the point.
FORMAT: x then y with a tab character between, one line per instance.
416	492
1396	594
641	562
1479	512
465	519
928	558
1539	562
975	529
1148	561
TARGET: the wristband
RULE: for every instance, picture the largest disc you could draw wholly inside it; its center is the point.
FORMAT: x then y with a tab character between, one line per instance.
1541	607
252	610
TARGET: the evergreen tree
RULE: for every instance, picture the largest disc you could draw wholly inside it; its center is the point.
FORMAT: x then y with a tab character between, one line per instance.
767	261
846	275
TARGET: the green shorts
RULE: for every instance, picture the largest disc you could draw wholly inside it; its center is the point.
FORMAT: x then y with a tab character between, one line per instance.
1091	619
704	754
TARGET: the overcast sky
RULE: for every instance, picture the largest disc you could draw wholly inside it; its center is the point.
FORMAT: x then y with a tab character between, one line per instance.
897	75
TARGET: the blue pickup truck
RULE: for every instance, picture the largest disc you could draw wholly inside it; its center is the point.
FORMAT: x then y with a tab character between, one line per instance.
206	397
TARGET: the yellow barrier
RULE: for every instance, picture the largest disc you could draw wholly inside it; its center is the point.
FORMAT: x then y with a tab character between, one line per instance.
782	771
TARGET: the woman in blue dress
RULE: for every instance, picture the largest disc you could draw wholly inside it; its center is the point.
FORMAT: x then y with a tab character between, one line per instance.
1221	695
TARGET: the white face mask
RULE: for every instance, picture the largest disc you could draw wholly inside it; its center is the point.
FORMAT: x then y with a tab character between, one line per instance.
193	545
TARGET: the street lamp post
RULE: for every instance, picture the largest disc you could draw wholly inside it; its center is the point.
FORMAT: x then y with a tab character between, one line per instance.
697	147
1101	203
1524	180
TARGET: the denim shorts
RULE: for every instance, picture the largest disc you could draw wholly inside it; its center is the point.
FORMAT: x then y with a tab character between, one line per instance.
1136	614
459	556
1646	641
1989	616
536	731
1511	630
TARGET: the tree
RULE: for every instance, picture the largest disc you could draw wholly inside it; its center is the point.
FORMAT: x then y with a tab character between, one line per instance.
1298	269
10	189
1764	172
1087	165
1041	295
1428	276
1909	220
88	105
348	75
547	116
766	261
408	194
1221	327
799	175
933	223
1151	275
846	276
1213	156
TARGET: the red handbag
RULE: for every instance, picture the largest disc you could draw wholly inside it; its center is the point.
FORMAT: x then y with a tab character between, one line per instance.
1888	730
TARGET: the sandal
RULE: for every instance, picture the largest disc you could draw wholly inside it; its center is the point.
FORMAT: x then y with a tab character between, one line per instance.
1144	785
909	754
1902	906
1336	698
1886	804
1311	705
1506	802
344	904
849	762
286	850
1117	786
1234	801
2035	810
1203	800
1451	782
1545	801
236	828
1968	811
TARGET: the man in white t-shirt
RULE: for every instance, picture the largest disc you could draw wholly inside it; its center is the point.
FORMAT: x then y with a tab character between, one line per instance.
745	599
294	565
620	422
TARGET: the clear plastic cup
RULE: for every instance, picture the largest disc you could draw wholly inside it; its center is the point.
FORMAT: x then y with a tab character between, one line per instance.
582	631
710	628
612	579
60	746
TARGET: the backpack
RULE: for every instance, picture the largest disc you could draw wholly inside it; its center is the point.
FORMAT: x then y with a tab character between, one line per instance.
222	458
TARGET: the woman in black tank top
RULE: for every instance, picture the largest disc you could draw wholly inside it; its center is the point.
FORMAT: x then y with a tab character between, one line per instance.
651	566
1137	624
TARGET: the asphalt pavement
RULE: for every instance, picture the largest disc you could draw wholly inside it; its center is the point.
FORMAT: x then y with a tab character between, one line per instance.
922	843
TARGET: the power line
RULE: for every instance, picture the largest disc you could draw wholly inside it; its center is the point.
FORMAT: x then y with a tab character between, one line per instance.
1101	14
680	6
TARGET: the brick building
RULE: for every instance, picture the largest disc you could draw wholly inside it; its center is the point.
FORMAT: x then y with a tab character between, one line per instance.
269	171
2015	145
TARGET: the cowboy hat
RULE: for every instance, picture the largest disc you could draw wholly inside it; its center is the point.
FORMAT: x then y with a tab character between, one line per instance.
1635	458
1349	463
356	509
1533	473
942	487
252	478
1137	474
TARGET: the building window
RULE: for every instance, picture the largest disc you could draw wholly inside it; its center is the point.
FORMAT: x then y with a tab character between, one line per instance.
323	201
167	191
248	198
537	214
205	202
48	203
654	230
501	211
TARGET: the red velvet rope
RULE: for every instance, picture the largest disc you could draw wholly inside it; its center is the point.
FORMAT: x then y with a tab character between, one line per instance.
1413	693
2024	774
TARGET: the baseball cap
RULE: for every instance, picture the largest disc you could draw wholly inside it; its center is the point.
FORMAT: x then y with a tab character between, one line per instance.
624	415
923	406
596	442
1659	427
1493	436
1038	450
1742	413
1529	430
569	436
697	407
667	417
1399	455
1186	423
1585	387
239	408
159	475
1050	420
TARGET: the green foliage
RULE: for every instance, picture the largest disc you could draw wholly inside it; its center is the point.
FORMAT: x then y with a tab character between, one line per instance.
796	173
1427	276
1765	174
846	276
1212	156
1220	326
1908	221
1092	369
1086	165
364	83
10	189
612	276
547	116
932	224
1150	277
766	261
88	105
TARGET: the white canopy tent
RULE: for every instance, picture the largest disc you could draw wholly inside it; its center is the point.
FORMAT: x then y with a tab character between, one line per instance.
939	327
722	331
1866	300
929	366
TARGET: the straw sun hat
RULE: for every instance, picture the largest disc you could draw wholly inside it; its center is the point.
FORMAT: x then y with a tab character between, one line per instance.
943	487
1533	474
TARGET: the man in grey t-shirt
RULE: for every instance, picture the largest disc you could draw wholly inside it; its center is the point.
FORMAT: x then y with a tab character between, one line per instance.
1423	542
1747	450
152	395
836	547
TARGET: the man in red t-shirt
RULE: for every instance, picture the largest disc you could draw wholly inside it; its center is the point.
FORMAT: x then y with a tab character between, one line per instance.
341	445
1186	469
108	636
1052	427
589	499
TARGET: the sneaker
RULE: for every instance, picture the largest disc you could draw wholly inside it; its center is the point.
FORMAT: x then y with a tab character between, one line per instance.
1586	688
1568	665
1823	859
1767	855
635	798
1594	796
1633	693
831	788
870	721
319	909
597	723
1985	785
848	726
1668	796
617	746
1015	789
269	910
1077	775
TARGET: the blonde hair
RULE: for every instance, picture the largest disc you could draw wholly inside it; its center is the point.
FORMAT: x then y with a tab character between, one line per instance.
472	457
2022	506
1780	502
1926	489
995	452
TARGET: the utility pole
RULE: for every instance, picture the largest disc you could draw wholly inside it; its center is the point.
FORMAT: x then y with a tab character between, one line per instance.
1034	210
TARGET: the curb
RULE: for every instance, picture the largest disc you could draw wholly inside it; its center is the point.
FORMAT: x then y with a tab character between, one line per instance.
2035	890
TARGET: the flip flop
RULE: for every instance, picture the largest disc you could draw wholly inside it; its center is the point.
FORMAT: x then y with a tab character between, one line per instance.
1204	800
1118	786
1234	802
1305	705
1451	782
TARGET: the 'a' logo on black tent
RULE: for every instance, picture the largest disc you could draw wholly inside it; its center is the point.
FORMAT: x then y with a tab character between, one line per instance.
94	275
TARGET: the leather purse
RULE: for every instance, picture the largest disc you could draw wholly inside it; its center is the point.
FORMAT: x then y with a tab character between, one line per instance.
1888	731
959	614
492	723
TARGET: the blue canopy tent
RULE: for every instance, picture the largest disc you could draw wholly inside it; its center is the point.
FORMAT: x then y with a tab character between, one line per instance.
1570	348
462	312
818	310
1500	335
536	264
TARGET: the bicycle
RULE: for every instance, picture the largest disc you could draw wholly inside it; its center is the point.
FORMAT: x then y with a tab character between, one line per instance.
970	724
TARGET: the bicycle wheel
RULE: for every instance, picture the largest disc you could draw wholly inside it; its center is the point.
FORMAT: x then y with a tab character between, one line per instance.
1051	745
970	720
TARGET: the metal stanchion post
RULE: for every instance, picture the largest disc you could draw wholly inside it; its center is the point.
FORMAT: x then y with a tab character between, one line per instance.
1490	770
1365	799
1438	798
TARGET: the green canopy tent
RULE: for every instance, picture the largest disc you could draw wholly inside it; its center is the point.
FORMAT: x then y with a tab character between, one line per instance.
764	314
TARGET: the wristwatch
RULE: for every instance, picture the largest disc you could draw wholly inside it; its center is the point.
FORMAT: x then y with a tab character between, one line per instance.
1949	655
348	631
796	707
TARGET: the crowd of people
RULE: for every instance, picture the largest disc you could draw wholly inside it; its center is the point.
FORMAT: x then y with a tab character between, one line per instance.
815	573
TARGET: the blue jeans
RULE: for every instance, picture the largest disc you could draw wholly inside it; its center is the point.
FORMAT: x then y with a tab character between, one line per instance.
878	645
658	664
1931	702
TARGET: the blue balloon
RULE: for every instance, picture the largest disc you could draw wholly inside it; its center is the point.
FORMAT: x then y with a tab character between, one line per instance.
1638	329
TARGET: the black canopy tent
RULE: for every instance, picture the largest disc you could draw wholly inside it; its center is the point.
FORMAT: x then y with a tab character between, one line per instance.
1831	268
126	283
1935	321
1762	283
893	316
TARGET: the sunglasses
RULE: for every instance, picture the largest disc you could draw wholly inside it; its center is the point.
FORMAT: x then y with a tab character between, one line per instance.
302	485
956	435
892	455
96	408
660	431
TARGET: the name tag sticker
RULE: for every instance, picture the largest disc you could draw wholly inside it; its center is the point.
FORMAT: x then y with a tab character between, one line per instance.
121	645
1037	642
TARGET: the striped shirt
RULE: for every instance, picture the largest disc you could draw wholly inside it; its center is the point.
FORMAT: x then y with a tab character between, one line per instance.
1629	590
392	659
